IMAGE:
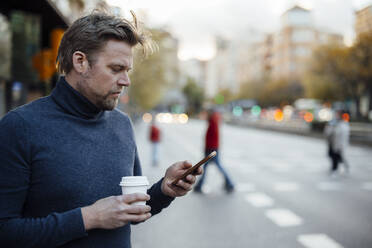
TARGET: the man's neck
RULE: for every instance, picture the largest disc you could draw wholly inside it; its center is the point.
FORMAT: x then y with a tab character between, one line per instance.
72	79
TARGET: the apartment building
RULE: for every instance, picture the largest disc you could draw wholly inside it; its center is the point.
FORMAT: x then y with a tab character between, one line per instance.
294	43
255	62
363	20
222	71
363	25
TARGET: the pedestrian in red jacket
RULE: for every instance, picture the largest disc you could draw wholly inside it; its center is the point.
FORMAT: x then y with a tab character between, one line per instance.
155	140
212	144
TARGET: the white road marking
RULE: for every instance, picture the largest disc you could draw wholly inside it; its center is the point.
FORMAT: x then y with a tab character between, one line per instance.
367	186
245	187
329	186
259	200
286	186
317	241
280	167
283	217
212	191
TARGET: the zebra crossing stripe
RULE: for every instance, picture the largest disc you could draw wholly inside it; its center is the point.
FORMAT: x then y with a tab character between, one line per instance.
317	240
283	217
245	187
259	200
329	186
286	186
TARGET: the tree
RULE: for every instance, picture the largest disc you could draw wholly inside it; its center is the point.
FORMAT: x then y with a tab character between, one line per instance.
280	92
149	78
321	87
194	95
362	56
226	95
338	65
251	90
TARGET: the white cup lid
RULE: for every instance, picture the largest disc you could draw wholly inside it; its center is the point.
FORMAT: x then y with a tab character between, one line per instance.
134	181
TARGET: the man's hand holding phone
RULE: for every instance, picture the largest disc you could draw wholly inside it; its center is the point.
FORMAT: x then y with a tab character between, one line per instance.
180	177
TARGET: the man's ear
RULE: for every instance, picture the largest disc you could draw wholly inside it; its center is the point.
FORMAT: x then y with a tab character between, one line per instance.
80	62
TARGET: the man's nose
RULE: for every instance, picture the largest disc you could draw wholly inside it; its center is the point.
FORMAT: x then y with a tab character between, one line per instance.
125	81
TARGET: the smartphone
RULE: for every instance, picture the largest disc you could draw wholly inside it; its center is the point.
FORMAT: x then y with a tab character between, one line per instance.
195	167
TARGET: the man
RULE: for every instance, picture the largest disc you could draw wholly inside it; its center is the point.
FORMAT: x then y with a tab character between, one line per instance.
337	133
62	156
212	144
155	140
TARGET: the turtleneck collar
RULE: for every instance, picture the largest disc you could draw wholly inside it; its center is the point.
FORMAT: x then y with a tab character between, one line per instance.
73	102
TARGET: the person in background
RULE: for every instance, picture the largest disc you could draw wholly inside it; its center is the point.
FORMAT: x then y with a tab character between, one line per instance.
212	144
62	156
155	140
337	133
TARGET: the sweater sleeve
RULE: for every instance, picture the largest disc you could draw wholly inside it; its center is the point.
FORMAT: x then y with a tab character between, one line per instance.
15	177
158	200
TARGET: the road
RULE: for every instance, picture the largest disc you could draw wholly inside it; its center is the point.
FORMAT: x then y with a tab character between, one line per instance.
284	196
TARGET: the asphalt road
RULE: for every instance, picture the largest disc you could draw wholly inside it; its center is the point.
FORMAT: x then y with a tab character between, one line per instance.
284	196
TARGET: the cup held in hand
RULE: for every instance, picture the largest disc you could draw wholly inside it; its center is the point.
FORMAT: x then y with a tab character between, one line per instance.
134	184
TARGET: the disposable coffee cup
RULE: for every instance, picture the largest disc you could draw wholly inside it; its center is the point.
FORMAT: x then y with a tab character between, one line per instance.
134	184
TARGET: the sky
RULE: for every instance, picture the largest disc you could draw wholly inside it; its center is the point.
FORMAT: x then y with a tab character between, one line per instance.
196	22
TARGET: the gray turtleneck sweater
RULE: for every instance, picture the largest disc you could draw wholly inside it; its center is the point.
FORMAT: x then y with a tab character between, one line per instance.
58	154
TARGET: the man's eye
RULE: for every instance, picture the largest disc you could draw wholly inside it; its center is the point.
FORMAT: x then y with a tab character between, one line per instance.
115	70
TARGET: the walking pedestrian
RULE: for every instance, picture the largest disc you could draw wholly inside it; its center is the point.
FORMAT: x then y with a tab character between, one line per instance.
155	140
212	144
337	133
62	157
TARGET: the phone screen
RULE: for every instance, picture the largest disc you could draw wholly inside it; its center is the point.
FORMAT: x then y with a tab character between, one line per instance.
195	167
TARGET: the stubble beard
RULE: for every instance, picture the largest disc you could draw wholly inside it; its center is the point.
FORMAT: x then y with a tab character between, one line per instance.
108	103
103	102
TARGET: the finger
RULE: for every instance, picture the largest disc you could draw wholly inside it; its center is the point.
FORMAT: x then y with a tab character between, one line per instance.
139	218
179	191
176	188
199	171
184	185
138	209
186	164
130	198
190	179
175	182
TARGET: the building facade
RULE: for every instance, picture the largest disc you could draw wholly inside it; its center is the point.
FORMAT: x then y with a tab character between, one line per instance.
255	63
222	70
283	55
363	20
294	43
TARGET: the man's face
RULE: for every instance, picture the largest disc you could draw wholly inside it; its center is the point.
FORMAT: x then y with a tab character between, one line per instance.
105	80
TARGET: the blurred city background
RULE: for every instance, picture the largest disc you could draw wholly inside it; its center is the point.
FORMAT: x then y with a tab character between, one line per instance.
276	70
